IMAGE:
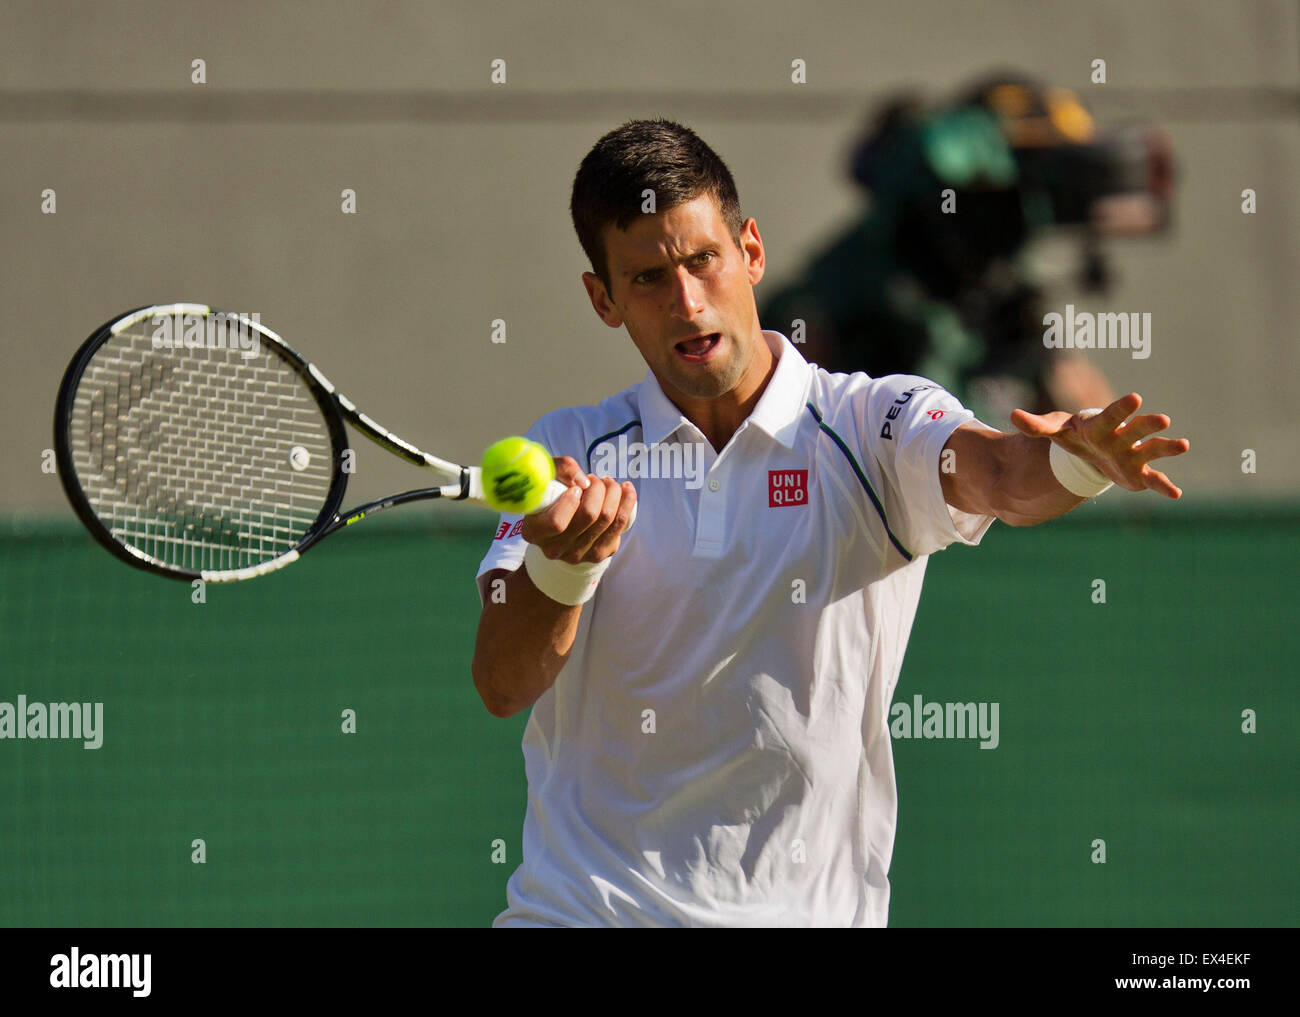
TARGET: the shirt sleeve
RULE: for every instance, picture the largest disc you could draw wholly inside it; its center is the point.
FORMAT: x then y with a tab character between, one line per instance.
908	420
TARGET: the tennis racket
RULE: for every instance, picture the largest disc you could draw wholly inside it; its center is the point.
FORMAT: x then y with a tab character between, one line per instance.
197	444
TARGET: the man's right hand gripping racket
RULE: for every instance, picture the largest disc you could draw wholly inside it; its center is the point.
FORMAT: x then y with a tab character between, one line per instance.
198	445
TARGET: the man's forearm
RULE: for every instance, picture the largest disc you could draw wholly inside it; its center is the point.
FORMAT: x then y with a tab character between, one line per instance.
524	635
524	639
1004	475
1028	492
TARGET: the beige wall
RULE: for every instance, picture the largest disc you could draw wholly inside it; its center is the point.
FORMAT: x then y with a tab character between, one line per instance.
228	192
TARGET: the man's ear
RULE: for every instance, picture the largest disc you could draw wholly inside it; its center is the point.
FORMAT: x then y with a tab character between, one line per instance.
599	297
751	246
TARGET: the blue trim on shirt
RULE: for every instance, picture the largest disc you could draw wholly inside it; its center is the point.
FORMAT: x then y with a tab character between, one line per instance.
612	434
862	479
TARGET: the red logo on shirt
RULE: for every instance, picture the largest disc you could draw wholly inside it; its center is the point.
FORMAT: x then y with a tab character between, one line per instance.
787	487
505	530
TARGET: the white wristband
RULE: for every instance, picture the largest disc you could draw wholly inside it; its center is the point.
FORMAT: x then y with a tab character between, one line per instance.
562	582
1077	476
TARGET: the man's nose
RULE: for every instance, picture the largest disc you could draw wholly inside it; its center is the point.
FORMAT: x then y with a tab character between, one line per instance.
687	293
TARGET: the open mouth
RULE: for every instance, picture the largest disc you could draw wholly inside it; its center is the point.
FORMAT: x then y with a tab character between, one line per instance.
698	349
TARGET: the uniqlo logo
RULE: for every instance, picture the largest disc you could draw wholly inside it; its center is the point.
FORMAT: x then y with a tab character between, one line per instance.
502	530
787	487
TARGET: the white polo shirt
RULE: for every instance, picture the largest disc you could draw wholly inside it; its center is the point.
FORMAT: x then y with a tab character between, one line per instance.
715	752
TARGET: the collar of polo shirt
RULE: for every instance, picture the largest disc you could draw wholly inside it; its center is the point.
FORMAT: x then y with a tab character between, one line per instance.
777	412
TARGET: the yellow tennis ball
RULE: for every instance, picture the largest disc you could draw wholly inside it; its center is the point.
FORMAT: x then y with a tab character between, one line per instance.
516	472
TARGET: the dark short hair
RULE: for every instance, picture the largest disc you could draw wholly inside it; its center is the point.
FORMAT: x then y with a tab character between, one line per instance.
659	154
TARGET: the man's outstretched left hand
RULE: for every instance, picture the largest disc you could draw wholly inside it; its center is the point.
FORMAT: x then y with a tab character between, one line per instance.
1120	448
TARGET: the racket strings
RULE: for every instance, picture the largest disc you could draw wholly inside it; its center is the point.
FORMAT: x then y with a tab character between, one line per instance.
201	458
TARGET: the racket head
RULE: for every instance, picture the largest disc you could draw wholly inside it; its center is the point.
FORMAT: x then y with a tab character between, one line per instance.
206	461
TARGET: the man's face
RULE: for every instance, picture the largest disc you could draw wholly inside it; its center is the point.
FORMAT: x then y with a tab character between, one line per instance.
676	276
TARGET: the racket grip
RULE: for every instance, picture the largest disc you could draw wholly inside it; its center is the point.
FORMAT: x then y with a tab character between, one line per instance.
553	492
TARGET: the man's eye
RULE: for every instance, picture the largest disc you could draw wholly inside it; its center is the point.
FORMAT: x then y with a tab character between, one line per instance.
702	258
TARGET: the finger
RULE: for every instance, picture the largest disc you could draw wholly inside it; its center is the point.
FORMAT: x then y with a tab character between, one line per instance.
1158	482
568	472
1144	426
546	528
1119	411
595	514
1160	448
1032	424
608	542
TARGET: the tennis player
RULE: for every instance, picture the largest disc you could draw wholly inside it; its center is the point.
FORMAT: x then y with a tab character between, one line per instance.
708	742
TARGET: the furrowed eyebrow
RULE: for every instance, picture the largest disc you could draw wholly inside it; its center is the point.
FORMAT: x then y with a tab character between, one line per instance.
708	248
